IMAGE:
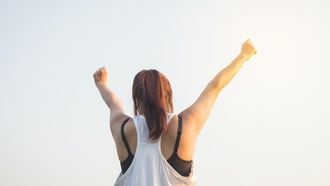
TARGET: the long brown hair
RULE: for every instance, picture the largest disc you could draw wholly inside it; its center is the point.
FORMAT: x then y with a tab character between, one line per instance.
152	97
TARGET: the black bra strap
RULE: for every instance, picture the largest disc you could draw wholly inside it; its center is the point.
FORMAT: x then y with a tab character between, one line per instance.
123	137
178	135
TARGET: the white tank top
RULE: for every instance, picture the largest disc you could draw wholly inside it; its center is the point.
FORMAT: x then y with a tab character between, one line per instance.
149	167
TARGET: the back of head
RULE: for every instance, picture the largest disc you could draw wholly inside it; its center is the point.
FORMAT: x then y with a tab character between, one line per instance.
152	97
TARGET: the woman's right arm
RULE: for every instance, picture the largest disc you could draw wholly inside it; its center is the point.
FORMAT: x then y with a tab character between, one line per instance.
197	114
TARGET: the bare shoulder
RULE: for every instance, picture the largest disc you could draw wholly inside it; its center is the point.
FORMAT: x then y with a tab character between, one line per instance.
129	129
189	119
130	135
116	123
189	137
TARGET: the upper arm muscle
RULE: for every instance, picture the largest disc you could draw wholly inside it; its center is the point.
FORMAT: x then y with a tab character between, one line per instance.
199	111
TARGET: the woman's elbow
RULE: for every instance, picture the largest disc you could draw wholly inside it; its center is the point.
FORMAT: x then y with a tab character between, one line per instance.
216	85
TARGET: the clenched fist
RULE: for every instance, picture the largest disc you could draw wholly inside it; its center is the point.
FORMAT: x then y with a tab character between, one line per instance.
248	49
101	76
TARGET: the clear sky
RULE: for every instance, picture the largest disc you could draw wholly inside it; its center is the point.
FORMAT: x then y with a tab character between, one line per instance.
270	125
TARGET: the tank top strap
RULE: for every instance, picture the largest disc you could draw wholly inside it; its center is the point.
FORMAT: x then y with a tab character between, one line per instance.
178	137
123	137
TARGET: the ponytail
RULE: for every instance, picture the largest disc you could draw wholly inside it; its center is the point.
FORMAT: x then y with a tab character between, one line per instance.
152	97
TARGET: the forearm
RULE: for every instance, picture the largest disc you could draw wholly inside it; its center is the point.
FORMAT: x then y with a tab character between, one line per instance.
109	97
199	111
227	74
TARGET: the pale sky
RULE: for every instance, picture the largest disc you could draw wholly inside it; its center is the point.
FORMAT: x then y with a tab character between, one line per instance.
270	126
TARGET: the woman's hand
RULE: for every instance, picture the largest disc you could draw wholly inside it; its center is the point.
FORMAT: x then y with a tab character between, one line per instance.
248	49
101	77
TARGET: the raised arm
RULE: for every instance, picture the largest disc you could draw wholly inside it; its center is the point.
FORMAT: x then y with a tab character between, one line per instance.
198	112
109	97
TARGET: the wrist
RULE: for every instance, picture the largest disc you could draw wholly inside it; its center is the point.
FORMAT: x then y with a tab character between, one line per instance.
101	85
244	57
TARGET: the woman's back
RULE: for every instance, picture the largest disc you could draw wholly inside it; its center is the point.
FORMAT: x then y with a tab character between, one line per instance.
151	165
186	145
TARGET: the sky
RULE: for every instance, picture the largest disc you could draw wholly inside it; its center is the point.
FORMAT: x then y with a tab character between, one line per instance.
269	126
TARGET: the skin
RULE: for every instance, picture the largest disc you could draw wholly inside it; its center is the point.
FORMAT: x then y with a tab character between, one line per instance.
194	117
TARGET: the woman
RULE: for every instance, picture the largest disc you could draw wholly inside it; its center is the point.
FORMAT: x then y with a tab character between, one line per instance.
156	147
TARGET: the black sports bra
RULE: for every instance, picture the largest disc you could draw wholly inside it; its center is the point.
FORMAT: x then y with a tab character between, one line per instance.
183	167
